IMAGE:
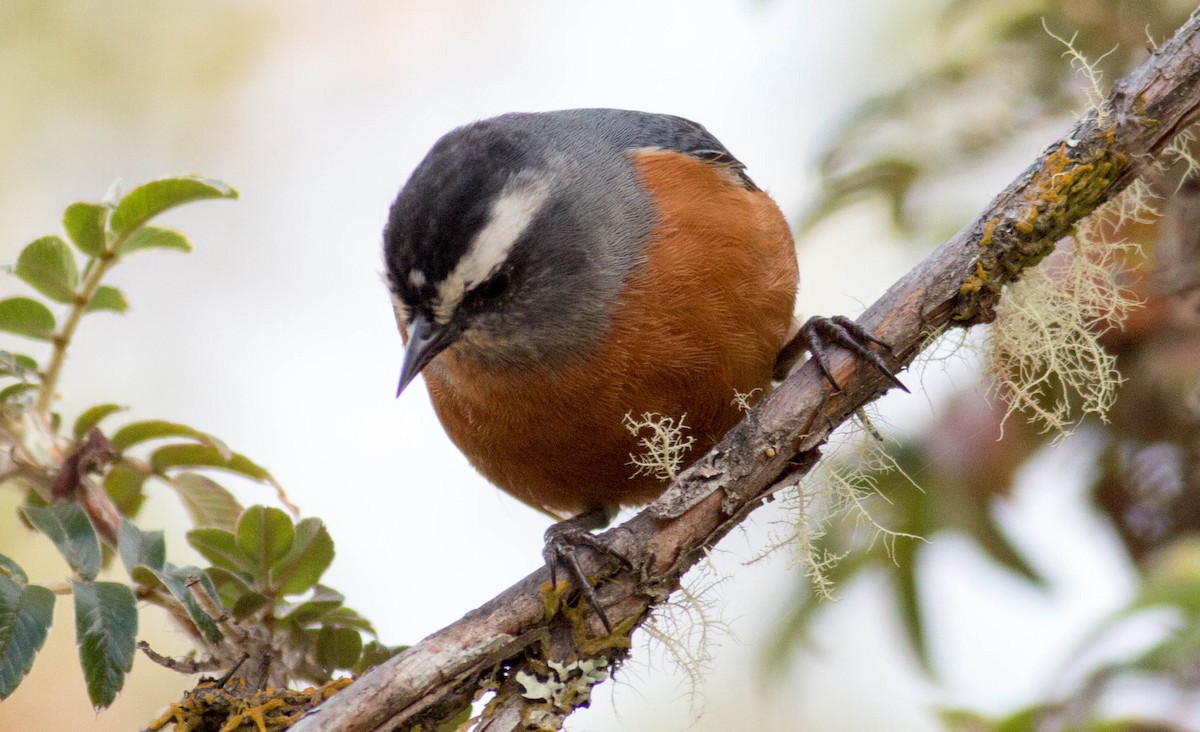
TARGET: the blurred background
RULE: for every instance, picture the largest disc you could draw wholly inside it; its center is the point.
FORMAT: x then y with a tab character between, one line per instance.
1053	583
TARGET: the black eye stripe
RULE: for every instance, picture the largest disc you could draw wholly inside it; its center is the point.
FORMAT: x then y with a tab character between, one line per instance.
493	287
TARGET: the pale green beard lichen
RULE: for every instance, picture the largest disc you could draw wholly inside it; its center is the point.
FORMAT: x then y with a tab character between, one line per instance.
1045	356
1090	70
663	449
684	631
840	488
746	401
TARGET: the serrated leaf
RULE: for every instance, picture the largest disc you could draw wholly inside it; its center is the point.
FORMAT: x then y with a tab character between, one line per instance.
48	266
338	647
106	624
141	548
71	531
221	548
154	237
190	455
155	429
309	557
26	317
150	199
175	579
26	612
92	417
206	501
124	486
108	298
265	533
84	223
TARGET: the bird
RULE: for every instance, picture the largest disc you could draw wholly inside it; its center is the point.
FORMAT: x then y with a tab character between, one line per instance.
555	275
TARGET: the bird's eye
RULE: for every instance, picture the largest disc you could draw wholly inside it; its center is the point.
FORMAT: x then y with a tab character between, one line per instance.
493	288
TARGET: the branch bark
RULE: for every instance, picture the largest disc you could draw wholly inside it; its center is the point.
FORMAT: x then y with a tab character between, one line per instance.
512	640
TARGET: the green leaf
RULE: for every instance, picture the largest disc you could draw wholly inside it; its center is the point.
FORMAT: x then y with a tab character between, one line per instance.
1029	719
26	317
206	501
309	557
266	534
1181	593
124	486
338	647
84	223
48	266
107	298
156	429
324	600
106	623
141	548
248	604
344	617
190	455
69	528
375	653
150	199
12	392
154	237
175	580
12	570
17	364
26	612
230	585
91	417
32	498
221	548
909	600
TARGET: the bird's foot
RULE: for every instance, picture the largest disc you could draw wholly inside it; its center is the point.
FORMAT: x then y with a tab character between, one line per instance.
819	333
563	542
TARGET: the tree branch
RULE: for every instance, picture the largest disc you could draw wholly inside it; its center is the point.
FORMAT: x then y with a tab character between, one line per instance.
508	644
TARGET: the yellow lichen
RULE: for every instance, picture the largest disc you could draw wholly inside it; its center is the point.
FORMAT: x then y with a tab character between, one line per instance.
237	710
975	281
988	229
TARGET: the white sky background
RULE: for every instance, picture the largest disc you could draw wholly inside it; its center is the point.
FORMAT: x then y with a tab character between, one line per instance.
277	334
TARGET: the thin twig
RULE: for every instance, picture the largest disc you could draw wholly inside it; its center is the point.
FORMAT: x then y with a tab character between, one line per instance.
182	665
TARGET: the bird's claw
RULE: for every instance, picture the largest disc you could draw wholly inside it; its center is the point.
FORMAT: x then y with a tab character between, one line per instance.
818	333
563	542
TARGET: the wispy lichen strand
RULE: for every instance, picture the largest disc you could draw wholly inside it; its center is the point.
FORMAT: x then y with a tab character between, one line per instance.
1045	356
